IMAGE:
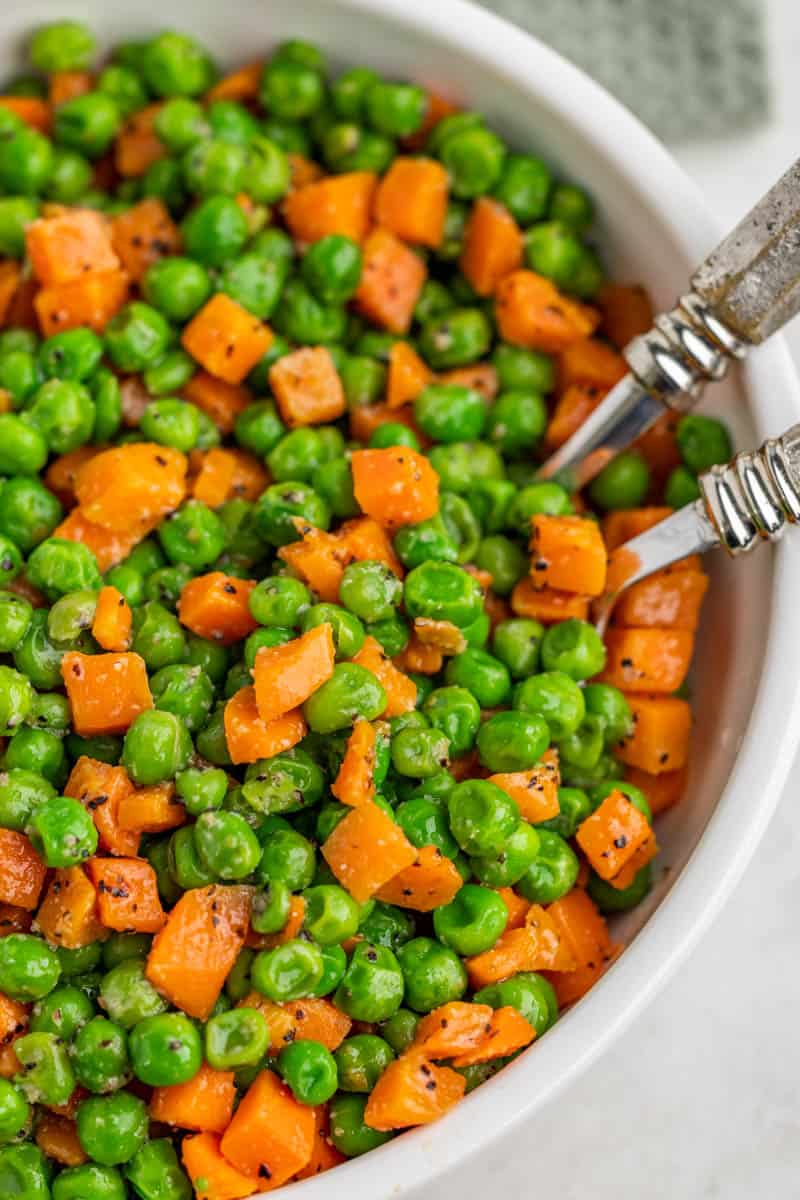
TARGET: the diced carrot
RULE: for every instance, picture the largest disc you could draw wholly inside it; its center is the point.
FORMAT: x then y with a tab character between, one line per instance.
144	234
407	376
401	691
367	849
9	1063
285	676
627	312
65	247
367	541
240	85
397	486
574	405
138	145
568	554
204	1104
191	956
669	599
492	245
307	387
67	85
431	881
68	914
517	907
662	791
127	894
659	448
10	276
551	951
302	171
228	474
324	1155
62	472
355	783
366	418
108	546
22	872
250	738
128	487
391	281
13	1019
212	1176
512	952
271	1134
612	835
481	377
531	312
151	809
221	401
647	660
57	1137
444	635
591	362
102	788
419	658
34	111
535	791
111	627
438	108
14	919
626	524
335	204
412	1091
585	931
660	738
508	1033
21	313
453	1028
106	691
226	339
217	606
319	558
310	1019
411	200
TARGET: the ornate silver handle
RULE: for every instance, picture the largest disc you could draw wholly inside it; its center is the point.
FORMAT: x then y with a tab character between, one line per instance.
756	495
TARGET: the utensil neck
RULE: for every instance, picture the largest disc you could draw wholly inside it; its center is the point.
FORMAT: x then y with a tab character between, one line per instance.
754	497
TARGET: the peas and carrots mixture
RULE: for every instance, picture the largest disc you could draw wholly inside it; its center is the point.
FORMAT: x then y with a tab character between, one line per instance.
317	784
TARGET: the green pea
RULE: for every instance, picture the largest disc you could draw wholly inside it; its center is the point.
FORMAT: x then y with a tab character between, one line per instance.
554	696
16	614
122	946
214	231
297	455
391	434
461	465
474	157
26	160
347	146
574	807
482	816
553	872
524	187
516	422
623	483
310	1071
302	318
32	748
512	741
156	1173
24	1172
349	1132
518	853
146	557
419	753
89	1180
185	691
214	167
72	355
386	925
348	92
105	747
572	207
450	412
80	960
271	907
332	268
504	560
175	65
128	996
681	488
370	590
62	46
171	422
156	747
177	286
361	1060
284	783
23	449
20	375
15	213
136	337
433	974
372	987
424	822
574	647
393	634
125	88
280	503
287	857
180	123
239	675
332	916
531	994
210	656
107	400
472	922
703	442
291	90
16	699
427	541
553	250
455	712
443	592
28	511
606	769
112	1128
201	789
165	1050
46	1076
70	616
166	584
238	984
611	899
516	642
584	746
478	672
87	124
351	692
545	497
455	339
158	636
226	844
14	1111
62	1013
193	535
239	1038
29	969
288	972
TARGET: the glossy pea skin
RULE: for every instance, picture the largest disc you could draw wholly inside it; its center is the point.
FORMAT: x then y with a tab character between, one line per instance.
171	422
284	783
681	488
16	614
16	699
575	807
424	822
271	907
433	974
215	231
165	1050
372	987
46	1076
280	503
543	497
386	925
512	741
482	816
623	483
120	947
80	960
611	900
193	535
24	1172
703	442
474	157
62	1013
461	525
58	566
361	1060
62	46
370	590
351	692
553	872
287	857
175	65
460	465
156	747
425	542
14	1111
29	968
481	674
177	287
443	592
112	1128
331	915
226	845
89	1180
184	691
158	636
156	1173
289	972
473	920
28	511
531	994
348	1131
455	712
419	753
15	213
449	412
26	160
504	559
584	747
455	339
574	647
516	422
516	642
239	1038
310	1071
524	187
136	337
127	996
555	697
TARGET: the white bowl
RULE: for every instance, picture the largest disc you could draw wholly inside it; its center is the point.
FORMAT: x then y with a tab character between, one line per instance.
653	228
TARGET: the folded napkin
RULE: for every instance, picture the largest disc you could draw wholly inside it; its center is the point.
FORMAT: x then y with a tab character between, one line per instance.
687	68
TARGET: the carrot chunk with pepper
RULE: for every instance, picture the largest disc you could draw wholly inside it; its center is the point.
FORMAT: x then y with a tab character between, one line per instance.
508	1032
138	145
335	204
285	676
307	387
151	809
670	599
319	558
573	406
355	783
492	245
401	691
627	312
396	486
535	791
453	1028
612	835
411	200
366	418
531	312
228	474
311	1019
592	362
662	791
111	627
221	401
216	606
481	377
324	1155
106	691
367	849
57	1137
191	956
22	872
391	281
585	931
660	738
13	1019
204	1103
408	374
109	546
249	738
431	881
517	907
412	1091
101	788
144	234
212	1176
129	487
127	894
367	541
647	660
271	1134
65	247
62	472
226	339
68	914
568	554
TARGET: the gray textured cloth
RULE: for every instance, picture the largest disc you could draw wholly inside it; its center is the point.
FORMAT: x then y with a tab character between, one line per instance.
687	68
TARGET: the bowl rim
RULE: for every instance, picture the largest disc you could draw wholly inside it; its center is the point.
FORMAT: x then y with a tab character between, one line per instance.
757	778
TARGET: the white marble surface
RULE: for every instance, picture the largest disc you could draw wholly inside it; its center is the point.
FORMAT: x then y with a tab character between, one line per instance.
699	1101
